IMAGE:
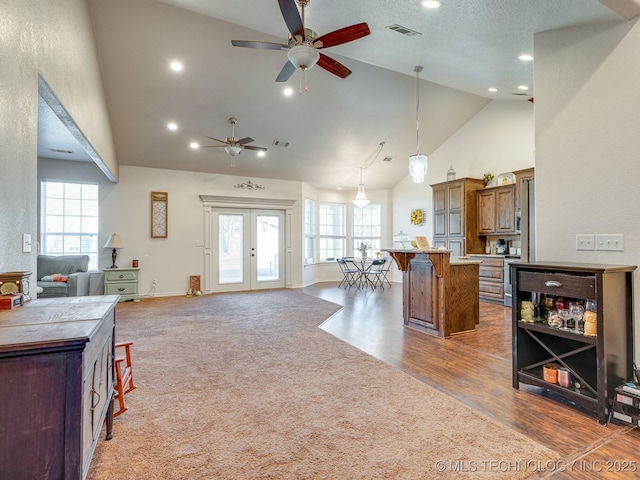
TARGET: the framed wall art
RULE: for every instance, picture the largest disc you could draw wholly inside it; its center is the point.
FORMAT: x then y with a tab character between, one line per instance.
159	214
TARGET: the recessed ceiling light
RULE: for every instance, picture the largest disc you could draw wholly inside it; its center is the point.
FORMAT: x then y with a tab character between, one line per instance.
194	145
523	87
493	89
176	66
172	126
261	153
525	57
431	4
288	91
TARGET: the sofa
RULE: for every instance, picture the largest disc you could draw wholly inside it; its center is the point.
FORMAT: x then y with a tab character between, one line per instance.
63	276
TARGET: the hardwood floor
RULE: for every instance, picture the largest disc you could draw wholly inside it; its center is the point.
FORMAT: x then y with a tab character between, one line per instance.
475	368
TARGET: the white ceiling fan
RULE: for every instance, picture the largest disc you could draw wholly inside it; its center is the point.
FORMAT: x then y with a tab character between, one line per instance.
232	145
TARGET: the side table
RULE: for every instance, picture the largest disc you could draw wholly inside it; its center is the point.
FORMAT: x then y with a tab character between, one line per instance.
123	282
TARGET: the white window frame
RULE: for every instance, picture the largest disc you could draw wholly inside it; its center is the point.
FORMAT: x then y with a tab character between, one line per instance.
69	219
369	230
332	231
310	231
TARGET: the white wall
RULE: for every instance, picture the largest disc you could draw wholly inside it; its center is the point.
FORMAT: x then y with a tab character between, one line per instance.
53	38
587	142
498	139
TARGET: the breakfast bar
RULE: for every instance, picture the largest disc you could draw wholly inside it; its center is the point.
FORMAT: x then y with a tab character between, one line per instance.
439	296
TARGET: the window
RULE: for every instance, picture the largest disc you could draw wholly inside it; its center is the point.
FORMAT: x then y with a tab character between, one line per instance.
333	238
69	220
367	227
309	231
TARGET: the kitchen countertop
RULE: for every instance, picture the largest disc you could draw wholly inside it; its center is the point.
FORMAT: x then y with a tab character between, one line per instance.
499	255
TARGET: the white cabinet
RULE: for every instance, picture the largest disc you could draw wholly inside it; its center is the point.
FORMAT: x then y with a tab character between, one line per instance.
123	282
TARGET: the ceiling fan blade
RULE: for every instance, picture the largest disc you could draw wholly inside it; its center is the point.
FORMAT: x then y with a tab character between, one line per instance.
244	140
291	16
286	72
221	141
260	45
211	146
344	35
333	66
249	147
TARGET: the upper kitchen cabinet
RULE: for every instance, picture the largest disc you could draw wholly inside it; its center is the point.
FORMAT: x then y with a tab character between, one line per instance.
525	174
496	210
455	222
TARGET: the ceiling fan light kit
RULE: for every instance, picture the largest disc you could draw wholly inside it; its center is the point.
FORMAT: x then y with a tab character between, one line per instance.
233	151
303	57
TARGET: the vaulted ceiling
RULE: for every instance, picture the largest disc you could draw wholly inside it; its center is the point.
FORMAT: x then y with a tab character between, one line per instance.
336	125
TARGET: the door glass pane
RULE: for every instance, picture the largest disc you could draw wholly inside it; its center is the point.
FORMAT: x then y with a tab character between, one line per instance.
267	258
230	249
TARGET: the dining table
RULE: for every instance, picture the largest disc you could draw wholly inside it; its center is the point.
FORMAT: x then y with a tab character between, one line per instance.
361	264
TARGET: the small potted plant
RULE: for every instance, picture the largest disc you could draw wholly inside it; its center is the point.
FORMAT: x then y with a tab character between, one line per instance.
487	177
364	248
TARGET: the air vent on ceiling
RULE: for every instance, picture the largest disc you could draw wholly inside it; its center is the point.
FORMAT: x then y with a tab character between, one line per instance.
387	159
58	150
519	94
403	30
280	143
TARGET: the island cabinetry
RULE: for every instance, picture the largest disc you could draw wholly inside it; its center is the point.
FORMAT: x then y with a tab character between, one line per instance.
496	210
599	363
439	297
57	377
491	282
455	216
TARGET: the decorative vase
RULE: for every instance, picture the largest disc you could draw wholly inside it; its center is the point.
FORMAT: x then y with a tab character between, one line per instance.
363	254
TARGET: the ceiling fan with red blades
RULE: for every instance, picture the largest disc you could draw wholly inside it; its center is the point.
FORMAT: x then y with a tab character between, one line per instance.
232	145
303	44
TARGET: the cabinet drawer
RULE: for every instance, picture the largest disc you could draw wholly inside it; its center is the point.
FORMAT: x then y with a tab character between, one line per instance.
121	289
491	273
558	284
489	261
121	276
496	289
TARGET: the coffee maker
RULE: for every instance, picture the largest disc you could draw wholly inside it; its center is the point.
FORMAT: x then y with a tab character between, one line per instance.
502	246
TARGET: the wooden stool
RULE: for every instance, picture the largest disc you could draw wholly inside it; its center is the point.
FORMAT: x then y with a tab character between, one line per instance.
124	376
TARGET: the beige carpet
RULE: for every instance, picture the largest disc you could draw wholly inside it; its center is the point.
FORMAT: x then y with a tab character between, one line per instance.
245	386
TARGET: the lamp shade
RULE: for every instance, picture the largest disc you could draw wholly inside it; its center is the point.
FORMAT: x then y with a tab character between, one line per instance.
418	167
233	151
114	242
303	57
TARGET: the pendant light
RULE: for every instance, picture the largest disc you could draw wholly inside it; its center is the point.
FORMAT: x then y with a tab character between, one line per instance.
418	162
361	199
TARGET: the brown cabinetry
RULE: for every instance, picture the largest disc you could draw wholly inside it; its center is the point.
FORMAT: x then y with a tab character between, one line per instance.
455	216
525	174
57	377
496	210
599	363
491	278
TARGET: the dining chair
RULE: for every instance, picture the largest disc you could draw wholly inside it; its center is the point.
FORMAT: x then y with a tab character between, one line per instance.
349	275
375	271
386	269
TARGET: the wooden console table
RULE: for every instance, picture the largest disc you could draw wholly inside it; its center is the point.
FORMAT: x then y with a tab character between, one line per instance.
57	377
439	296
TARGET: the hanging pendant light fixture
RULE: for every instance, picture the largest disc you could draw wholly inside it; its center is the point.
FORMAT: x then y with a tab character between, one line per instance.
361	199
418	162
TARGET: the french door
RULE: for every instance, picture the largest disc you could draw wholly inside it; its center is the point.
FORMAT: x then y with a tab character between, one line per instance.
247	249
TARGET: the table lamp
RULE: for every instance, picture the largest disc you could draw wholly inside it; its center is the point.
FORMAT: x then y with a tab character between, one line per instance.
115	243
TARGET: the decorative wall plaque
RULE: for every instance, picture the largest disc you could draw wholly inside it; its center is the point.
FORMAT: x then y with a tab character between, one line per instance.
159	211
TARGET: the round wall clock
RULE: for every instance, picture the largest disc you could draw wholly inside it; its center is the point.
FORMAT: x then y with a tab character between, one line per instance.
417	217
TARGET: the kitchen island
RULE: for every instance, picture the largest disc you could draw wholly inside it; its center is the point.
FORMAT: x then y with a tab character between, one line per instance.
439	296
